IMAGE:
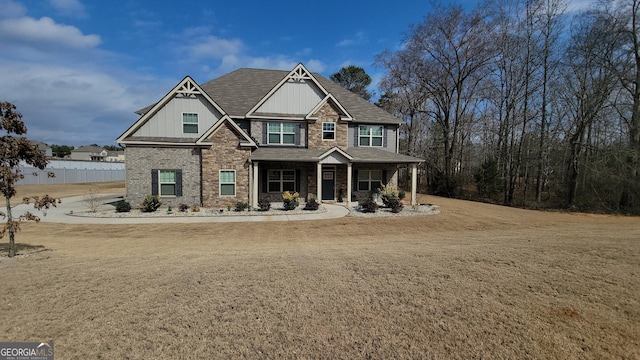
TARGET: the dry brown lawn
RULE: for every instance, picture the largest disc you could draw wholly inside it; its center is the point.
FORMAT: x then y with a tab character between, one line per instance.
476	281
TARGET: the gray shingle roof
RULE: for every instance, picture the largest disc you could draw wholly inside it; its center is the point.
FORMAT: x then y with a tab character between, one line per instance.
239	91
363	154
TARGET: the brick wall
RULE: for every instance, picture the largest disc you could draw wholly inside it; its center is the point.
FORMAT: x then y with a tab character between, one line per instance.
140	162
224	154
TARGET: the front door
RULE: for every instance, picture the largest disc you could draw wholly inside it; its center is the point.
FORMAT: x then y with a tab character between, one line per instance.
328	184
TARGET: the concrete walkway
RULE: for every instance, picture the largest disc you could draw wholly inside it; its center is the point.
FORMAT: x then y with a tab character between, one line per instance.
63	213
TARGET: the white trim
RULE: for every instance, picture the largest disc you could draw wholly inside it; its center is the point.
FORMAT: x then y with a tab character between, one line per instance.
298	73
312	114
335	149
188	87
235	182
197	122
248	141
281	132
160	183
370	136
332	131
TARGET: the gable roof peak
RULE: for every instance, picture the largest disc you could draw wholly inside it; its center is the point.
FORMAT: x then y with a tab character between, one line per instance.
298	74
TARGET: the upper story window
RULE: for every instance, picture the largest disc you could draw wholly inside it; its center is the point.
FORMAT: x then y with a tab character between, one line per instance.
370	135
189	123
281	133
328	131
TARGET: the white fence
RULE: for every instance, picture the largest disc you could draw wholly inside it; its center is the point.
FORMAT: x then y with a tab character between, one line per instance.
69	171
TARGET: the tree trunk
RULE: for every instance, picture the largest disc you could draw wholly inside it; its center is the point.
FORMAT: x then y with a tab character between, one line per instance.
10	225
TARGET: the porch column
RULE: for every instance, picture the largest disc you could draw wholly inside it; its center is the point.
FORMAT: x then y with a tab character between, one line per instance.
319	180
254	185
414	183
349	180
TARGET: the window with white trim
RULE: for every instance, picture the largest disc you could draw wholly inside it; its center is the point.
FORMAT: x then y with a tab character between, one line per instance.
281	180
283	133
227	182
369	179
328	131
369	135
189	123
167	182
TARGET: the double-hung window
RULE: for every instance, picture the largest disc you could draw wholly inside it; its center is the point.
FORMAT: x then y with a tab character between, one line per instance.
328	131
283	133
369	135
189	123
167	182
281	180
369	179
227	182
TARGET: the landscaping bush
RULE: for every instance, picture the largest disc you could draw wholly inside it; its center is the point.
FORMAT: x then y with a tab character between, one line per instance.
389	194
395	206
195	208
291	201
123	206
183	207
241	206
368	206
264	204
312	204
151	203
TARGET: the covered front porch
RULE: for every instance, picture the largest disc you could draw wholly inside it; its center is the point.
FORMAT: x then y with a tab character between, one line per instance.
334	175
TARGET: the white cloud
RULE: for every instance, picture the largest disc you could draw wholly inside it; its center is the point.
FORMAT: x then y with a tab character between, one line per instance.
44	32
69	7
212	47
11	9
358	38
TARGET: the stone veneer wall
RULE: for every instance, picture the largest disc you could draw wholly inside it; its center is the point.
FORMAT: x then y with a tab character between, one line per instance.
327	113
224	154
140	162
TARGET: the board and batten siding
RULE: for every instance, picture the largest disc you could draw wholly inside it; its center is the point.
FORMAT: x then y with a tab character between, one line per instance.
389	142
293	98
167	122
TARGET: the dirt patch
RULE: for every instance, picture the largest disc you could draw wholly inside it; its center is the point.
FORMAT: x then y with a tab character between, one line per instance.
475	281
66	190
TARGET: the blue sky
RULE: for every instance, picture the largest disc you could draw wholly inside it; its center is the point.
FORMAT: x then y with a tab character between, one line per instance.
77	69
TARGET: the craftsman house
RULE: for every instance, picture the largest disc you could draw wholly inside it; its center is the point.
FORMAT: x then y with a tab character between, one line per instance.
252	134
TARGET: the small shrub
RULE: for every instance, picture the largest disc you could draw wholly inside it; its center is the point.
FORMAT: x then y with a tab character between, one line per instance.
401	194
395	206
369	206
151	203
389	194
291	201
264	204
183	207
92	200
312	204
123	206
195	208
241	206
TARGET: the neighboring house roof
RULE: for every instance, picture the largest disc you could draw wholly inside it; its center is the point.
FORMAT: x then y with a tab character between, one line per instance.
238	92
368	154
42	146
88	149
